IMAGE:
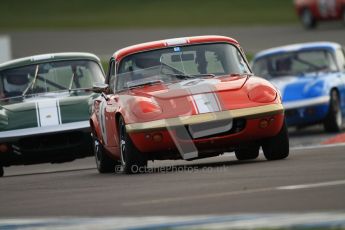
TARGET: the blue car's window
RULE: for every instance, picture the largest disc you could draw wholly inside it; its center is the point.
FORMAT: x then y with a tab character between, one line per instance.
49	77
294	63
216	59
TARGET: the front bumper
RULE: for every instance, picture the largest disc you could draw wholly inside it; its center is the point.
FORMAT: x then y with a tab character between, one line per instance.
248	113
52	144
246	128
8	136
309	111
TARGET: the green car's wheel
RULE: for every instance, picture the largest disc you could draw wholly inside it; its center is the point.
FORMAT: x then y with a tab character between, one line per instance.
132	160
277	147
334	119
104	163
250	152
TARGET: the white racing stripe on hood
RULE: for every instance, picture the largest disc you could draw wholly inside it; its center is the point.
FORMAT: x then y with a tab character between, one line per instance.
206	103
48	112
203	94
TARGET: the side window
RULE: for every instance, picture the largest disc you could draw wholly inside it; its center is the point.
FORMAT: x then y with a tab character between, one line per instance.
111	76
340	55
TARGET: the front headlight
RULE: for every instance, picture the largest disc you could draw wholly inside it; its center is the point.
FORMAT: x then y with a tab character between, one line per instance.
146	109
262	94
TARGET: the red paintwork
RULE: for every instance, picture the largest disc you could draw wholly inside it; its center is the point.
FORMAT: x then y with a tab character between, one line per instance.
321	9
232	93
118	55
251	132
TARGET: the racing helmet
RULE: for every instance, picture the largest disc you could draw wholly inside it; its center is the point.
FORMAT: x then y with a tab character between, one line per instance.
15	82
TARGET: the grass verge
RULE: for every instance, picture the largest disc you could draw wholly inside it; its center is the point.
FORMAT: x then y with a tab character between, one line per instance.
42	14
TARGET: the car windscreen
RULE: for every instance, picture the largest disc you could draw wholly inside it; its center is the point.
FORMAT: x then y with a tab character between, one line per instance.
173	63
49	77
294	63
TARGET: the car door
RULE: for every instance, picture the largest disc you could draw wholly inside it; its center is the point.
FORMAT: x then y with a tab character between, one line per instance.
340	57
110	106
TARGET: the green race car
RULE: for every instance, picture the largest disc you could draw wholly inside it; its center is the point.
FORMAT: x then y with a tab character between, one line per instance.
44	108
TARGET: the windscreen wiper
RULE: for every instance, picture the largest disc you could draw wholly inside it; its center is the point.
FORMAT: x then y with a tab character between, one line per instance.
71	82
32	83
203	75
180	76
141	84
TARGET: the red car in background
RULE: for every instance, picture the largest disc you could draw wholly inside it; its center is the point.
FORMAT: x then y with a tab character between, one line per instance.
184	98
312	11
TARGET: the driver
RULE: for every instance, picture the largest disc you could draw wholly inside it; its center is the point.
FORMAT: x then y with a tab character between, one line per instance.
145	62
283	65
201	62
15	84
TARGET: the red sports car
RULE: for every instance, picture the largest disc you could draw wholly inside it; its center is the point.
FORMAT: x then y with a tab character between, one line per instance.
184	98
312	11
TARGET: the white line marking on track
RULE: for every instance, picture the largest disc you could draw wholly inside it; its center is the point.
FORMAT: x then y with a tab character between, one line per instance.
318	146
316	185
326	220
241	192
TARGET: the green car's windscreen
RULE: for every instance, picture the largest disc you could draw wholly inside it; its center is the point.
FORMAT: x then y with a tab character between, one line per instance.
49	77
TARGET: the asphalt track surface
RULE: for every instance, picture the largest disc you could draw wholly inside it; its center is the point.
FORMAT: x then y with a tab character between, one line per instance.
310	180
105	42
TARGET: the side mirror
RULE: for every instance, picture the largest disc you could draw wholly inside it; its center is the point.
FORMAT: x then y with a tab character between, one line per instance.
100	87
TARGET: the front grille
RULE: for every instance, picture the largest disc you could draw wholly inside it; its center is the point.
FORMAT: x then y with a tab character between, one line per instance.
200	131
291	113
50	141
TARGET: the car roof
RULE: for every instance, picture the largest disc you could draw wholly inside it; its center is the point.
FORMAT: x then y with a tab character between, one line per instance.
47	58
298	47
118	55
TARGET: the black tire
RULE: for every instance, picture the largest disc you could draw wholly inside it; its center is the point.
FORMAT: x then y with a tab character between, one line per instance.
343	15
308	19
277	147
334	120
249	152
132	160
104	163
1	171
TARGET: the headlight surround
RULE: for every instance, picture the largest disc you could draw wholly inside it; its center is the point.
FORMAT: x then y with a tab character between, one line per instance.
146	109
262	94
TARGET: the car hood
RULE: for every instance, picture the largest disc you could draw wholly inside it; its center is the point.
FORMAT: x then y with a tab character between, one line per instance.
193	87
44	110
294	88
190	97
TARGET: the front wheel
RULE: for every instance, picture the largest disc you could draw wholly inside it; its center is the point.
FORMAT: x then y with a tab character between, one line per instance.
132	160
277	147
334	119
249	152
104	163
307	19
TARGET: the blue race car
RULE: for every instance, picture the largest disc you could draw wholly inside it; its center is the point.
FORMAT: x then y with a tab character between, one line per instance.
311	80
